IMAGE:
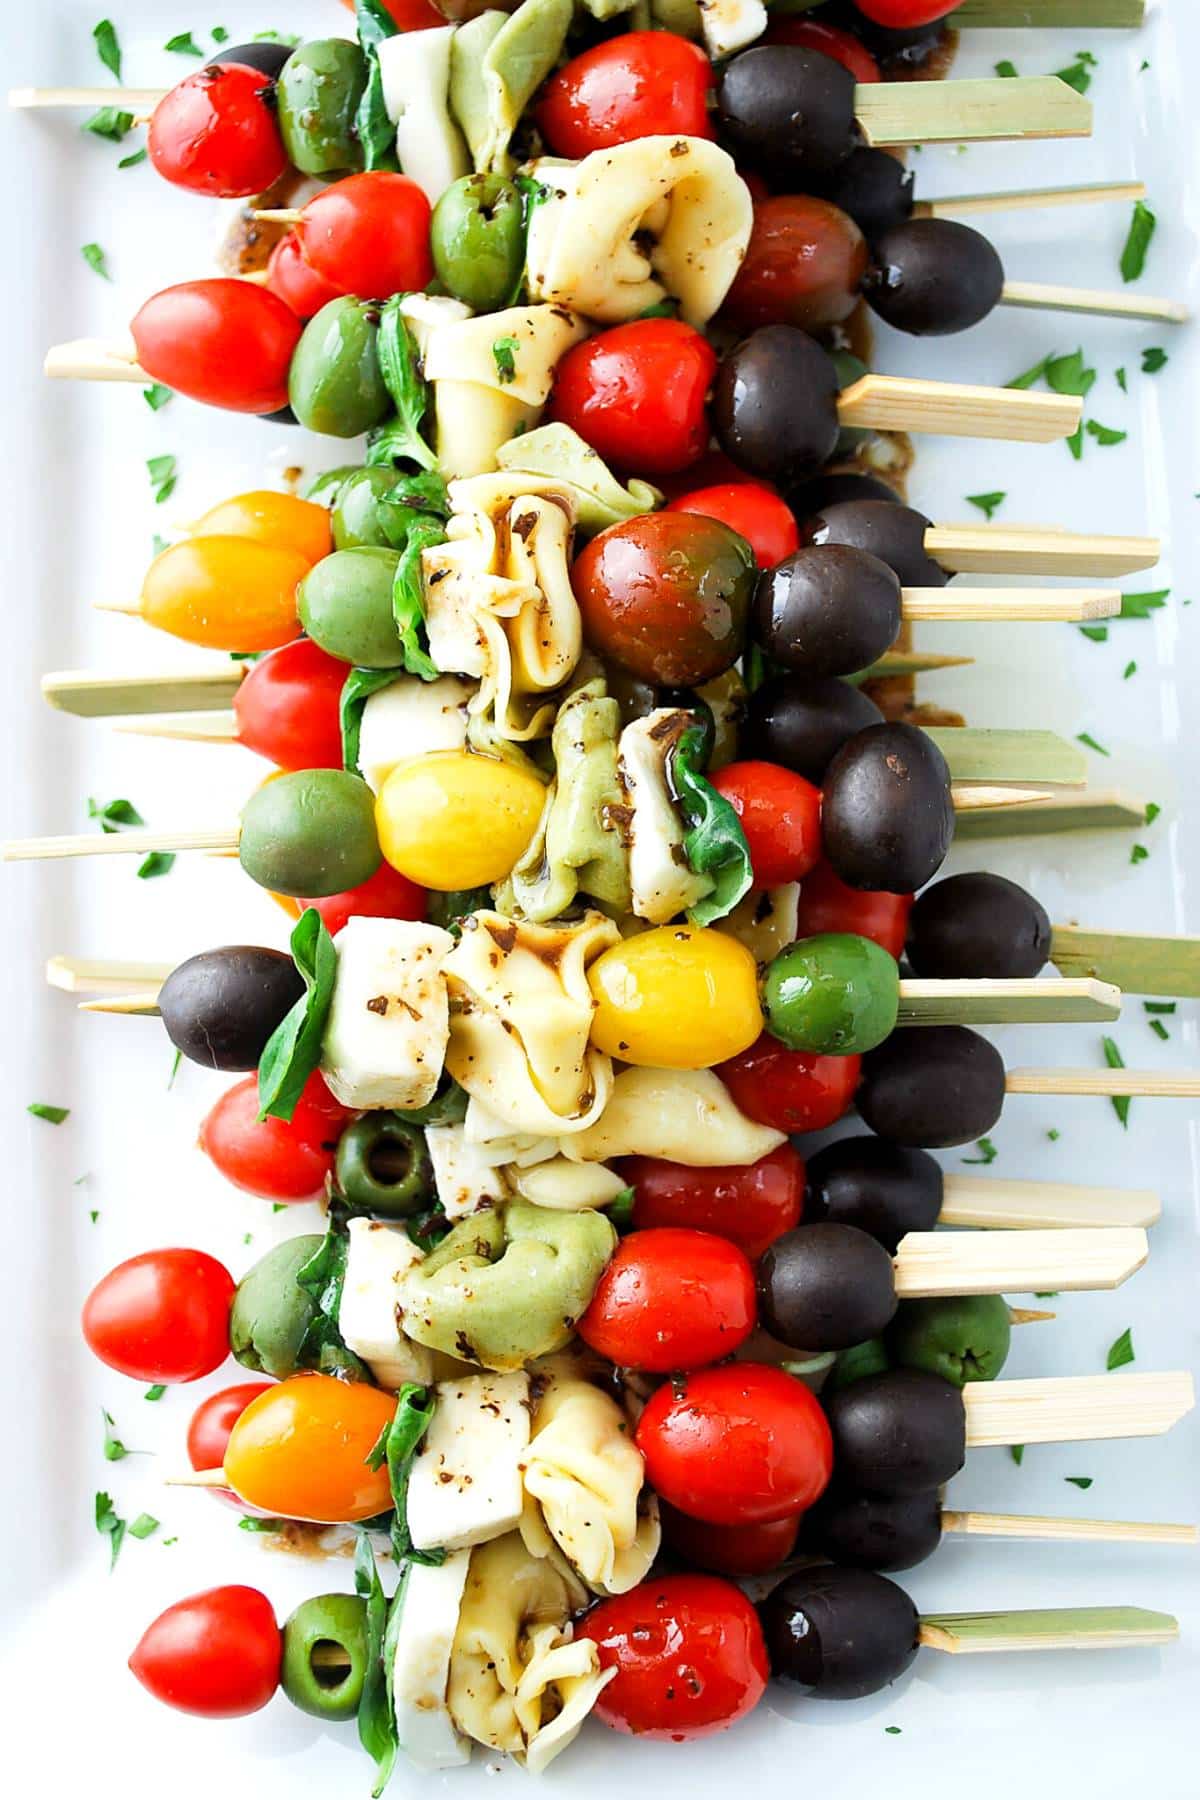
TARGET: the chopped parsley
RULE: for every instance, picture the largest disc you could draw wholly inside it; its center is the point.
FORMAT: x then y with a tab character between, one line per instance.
219	35
108	47
159	862
110	122
894	1730
1097	634
115	816
161	470
53	1115
1160	1006
987	503
1159	1030
1078	73
1104	434
1130	669
174	1070
1138	854
1086	738
987	1152
1017	1452
1121	1351
1121	382
183	44
93	1216
1153	360
157	396
111	1526
1140	606
1054	1134
156	1392
96	261
1006	70
249	1523
504	352
1152	811
144	1526
1120	1102
1141	230
1069	374
131	161
157	546
114	1449
1079	1481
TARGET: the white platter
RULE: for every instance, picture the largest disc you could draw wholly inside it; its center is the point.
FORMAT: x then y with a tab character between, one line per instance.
80	515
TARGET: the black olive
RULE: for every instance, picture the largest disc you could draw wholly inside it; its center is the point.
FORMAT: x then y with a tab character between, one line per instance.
825	1287
875	1531
895	534
886	1189
932	1086
932	277
774	404
888	817
872	187
900	1433
285	416
787	110
220	1007
978	927
840	1633
265	55
826	610
820	491
801	724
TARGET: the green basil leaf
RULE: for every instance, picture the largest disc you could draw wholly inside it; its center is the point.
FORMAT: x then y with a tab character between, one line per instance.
373	128
714	841
408	604
414	1413
620	1209
357	689
448	1106
376	1719
400	439
322	1277
294	1047
183	44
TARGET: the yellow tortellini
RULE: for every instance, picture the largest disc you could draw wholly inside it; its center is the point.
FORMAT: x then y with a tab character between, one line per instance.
683	1115
491	375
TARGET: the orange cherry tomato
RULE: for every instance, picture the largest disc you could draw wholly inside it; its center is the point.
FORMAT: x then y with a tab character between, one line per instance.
300	1450
271	518
227	593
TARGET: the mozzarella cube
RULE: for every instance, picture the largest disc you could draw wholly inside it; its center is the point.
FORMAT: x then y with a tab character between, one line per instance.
378	1259
420	1669
408	719
389	1022
465	1176
466	1482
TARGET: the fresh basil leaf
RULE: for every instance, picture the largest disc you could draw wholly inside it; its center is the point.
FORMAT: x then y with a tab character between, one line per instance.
1121	1352
53	1115
357	689
448	1106
322	1278
414	1413
620	1209
95	259
713	841
108	47
110	122
400	438
373	128
294	1047
110	1525
408	604
1141	230
376	1719
159	862
1120	1102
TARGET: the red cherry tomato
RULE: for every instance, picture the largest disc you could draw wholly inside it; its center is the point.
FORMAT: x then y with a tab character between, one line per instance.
295	280
410	15
211	1423
161	1316
216	1654
811	34
729	1549
790	1090
781	817
743	1444
270	1157
216	133
750	1206
905	12
225	342
827	904
387	894
689	1654
287	707
803	266
754	510
637	393
369	235
671	1299
641	84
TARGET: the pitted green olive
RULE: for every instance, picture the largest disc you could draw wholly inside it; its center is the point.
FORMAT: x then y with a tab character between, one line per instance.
383	1166
271	1312
507	1285
317	97
325	1658
961	1338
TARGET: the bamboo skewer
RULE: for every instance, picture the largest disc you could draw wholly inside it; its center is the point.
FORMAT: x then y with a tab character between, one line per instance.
997	15
976	111
1050	1628
993	605
1099	809
92	696
1098	193
986	1203
135	100
1066	1409
956	409
1092	302
1142	965
1021	550
1007	1002
1112	1084
931	1264
1052	1530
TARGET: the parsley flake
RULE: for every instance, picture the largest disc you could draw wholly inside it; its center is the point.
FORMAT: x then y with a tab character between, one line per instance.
1104	434
1079	1481
1160	1006
144	1526
1138	854
1121	1351
1153	360
504	352
1159	1030
1140	606
156	1392
136	156
1097	634
1017	1452
115	816
1121	382
1006	70
1152	811
219	35
110	122
1130	669
1054	1134
53	1115
114	1449
96	261
1141	230
1120	1102
183	44
157	396
249	1523
108	47
894	1730
987	503
161	470
159	862
111	1526
987	1152
1085	737
174	1070
1078	73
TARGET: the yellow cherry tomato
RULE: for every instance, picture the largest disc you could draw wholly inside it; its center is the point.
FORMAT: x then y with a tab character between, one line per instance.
299	1451
677	997
455	820
271	518
227	593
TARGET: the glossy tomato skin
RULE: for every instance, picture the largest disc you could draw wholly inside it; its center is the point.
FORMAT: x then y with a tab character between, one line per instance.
369	235
781	817
902	13
215	1654
227	343
411	15
827	904
161	1316
755	511
642	84
671	1298
296	282
811	34
273	1158
287	707
689	1654
750	1206
216	133
637	393
791	1090
738	1550
743	1444
387	894
211	1424
803	266
300	1450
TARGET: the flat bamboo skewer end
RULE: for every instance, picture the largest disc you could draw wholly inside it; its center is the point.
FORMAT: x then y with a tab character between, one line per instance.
135	100
1013	550
1098	193
198	1478
973	111
957	409
119	843
1066	1409
1096	1531
1118	1084
983	1202
1052	1628
1093	302
89	359
1007	1002
991	605
932	1264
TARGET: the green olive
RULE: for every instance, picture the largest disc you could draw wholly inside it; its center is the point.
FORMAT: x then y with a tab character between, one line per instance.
271	1312
477	237
835	994
849	369
335	385
383	1166
965	1338
325	1655
854	1364
310	833
374	509
345	606
317	97
508	1285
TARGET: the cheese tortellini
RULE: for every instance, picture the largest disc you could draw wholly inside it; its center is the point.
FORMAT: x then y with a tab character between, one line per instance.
600	500
662	881
683	1115
491	378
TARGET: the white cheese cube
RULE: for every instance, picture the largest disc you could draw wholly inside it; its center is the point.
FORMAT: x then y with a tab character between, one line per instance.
378	1259
465	1176
420	1670
408	719
389	1023
466	1484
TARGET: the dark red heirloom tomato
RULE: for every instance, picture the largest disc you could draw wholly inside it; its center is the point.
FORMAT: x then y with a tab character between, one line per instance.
216	1654
689	1654
287	707
369	235
161	1316
755	511
216	133
211	1424
387	894
742	1444
225	342
751	1206
665	595
295	280
803	266
273	1158
728	1549
671	1299
637	393
642	84
905	12
412	15
781	817
811	34
827	904
791	1090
